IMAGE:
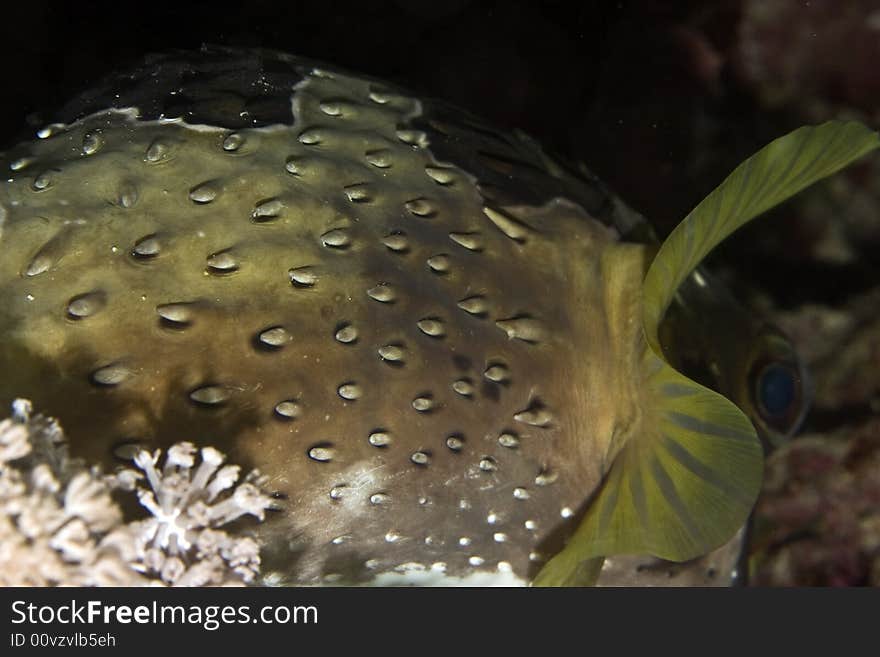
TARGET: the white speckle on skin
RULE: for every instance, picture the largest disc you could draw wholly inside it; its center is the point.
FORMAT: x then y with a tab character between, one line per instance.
436	576
273	579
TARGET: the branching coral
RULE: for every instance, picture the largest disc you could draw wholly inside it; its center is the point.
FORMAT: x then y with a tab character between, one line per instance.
60	524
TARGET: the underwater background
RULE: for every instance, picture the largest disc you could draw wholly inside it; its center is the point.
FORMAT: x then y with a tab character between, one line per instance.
661	100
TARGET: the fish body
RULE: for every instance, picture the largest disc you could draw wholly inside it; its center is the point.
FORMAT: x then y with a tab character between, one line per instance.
424	331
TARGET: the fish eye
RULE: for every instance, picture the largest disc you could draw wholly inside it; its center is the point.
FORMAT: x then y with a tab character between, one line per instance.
776	390
778	386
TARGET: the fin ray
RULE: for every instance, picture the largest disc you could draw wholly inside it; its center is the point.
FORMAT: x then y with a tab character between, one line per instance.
798	159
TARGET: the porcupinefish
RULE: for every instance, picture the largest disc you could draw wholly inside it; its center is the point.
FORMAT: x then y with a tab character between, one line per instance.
441	345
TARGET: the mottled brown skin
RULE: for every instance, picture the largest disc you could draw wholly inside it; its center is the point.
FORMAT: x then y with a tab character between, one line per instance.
495	471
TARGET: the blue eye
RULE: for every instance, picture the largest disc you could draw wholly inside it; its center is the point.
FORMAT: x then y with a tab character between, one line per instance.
777	389
777	386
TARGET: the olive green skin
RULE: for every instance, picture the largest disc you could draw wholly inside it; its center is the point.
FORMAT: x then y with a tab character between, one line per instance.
391	309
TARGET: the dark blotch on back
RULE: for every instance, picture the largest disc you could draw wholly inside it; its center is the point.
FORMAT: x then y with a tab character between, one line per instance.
465	141
221	87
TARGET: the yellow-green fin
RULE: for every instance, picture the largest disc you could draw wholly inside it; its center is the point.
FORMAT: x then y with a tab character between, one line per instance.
688	480
775	173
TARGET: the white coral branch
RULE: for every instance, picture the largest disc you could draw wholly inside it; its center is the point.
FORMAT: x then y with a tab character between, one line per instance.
60	524
181	542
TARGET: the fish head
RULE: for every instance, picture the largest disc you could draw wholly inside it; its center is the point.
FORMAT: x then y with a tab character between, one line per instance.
715	340
689	471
